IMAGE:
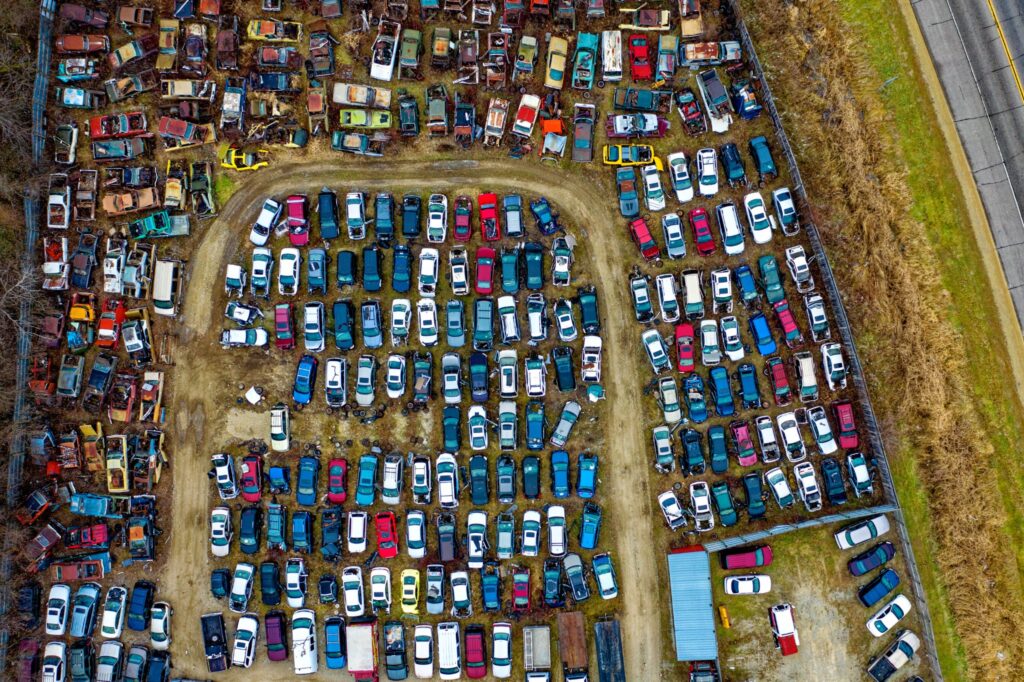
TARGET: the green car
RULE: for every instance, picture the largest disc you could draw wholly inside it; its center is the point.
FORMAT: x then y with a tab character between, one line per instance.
723	503
754	493
771	280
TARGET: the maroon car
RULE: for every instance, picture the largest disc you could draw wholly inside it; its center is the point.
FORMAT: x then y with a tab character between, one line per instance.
28	660
284	326
277	641
251	480
843	412
476	652
78	44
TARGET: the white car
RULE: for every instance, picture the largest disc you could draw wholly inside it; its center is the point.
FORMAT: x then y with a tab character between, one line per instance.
833	365
391	481
478	428
476	538
536	377
766	437
416	534
654	194
668	396
679	174
280	428
799	268
401	320
429	265
672	510
426	312
396	376
668	302
160	626
58	605
817	419
224	475
244	647
256	337
730	228
305	659
451	378
356	531
447	481
590	359
675	242
807	484
530	545
288	274
721	290
707	172
355	215
462	598
778	484
336	382
352	591
458	268
437	218
114	607
423	652
55	661
748	584
220	531
710	351
792	441
757	218
886	618
858	533
241	587
556	531
785	209
501	650
564	322
313	337
700	505
295	582
262	271
267	219
731	340
508	380
380	588
657	351
366	370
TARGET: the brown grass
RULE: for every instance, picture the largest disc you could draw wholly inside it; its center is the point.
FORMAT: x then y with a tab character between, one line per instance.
888	272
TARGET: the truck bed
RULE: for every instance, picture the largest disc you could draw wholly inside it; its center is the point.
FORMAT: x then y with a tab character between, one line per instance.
572	641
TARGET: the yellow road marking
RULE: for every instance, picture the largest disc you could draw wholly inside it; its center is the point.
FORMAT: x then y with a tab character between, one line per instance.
1006	48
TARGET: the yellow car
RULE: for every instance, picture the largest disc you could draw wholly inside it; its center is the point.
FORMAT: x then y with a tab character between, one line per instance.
362	118
630	155
274	31
411	591
235	159
558	51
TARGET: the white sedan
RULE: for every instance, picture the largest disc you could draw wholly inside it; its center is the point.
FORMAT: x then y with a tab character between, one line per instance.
160	626
352	591
355	536
265	222
654	193
748	584
244	648
426	311
531	533
429	260
58	604
890	614
758	219
220	531
288	274
437	218
113	613
679	174
707	172
672	509
556	531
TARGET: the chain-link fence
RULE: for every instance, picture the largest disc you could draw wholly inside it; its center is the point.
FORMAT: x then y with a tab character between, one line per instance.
782	528
870	422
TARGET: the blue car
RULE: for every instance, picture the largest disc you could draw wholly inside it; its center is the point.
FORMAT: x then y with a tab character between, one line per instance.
450	420
302	532
693	389
535	424
401	275
718	449
309	474
586	475
384	218
371	269
746	284
316	271
347	269
373	334
762	334
590	529
455	327
305	380
721	392
560	474
334	642
366	487
547	220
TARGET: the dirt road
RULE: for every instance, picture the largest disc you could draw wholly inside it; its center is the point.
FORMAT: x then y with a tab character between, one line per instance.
199	408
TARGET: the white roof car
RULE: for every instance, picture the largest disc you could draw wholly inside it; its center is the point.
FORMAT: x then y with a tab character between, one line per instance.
536	376
476	538
508	319
220	531
779	485
262	271
295	576
654	194
792	442
748	584
707	172
700	504
160	626
721	290
536	316
437	218
461	596
731	340
224	475
447	481
395	376
556	531
807	484
785	209
335	381
564	322
313	327
55	659
423	652
358	523
451	378
531	533
668	394
657	351
508	383
672	509
817	419
241	587
458	266
244	338
58	605
679	173
114	607
244	647
833	365
886	618
429	260
391	481
862	531
766	437
355	215
675	242
305	659
665	284
380	588
731	229
478	428
799	268
280	430
710	352
352	591
365	370
288	274
501	650
898	653
426	313
590	359
416	534
757	218
401	318
265	222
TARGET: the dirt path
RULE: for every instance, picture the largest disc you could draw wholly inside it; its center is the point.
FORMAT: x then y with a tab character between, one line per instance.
625	478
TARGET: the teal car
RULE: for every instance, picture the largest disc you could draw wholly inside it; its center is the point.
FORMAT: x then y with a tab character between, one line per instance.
366	487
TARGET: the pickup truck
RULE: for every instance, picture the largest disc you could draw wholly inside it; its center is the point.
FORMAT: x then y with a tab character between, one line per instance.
895	656
214	642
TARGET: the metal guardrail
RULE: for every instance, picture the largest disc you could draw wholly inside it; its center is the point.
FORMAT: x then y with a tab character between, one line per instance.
870	422
783	528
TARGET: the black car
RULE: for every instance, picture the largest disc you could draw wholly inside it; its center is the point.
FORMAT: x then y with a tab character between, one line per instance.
159	667
832	475
735	173
29	607
478	377
478	483
250	529
447	547
348	268
693	452
506	474
220	582
531	477
565	378
411	211
344	316
754	494
270	583
553	595
328	588
82	661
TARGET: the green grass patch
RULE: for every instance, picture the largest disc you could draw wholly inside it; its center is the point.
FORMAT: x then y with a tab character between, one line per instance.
224	185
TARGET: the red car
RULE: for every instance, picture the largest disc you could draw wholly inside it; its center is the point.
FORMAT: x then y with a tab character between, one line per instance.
490	225
745	452
639	58
73	44
337	472
790	330
843	412
684	347
702	232
298	222
251	480
108	329
284	326
387	537
641	236
277	642
757	556
476	652
484	270
775	369
521	590
463	231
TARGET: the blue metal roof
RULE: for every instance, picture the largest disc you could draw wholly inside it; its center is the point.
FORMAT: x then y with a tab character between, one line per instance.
693	614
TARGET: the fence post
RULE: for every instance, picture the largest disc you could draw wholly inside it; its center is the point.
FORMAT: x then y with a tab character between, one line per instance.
856	369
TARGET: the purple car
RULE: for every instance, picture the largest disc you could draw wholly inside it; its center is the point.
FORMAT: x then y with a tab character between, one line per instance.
277	644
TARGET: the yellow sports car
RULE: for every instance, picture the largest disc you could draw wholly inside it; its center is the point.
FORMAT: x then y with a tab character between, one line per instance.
236	159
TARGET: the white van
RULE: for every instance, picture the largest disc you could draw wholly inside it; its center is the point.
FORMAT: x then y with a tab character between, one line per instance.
449	651
730	228
666	284
536	316
804	362
508	319
611	56
304	654
693	294
166	287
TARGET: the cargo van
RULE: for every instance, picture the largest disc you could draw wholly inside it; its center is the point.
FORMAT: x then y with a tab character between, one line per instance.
166	287
693	294
804	362
611	56
449	651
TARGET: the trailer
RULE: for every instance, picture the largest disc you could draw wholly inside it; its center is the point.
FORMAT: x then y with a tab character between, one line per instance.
537	652
572	646
361	637
610	665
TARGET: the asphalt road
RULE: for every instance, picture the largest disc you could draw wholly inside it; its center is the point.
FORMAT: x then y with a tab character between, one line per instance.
987	102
